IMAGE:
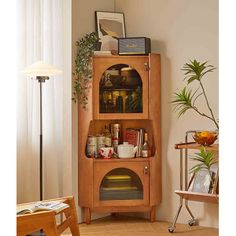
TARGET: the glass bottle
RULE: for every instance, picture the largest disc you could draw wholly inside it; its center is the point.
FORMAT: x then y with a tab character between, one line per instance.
146	151
102	103
119	103
110	105
128	102
107	135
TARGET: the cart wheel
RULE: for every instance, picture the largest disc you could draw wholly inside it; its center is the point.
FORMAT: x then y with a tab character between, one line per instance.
192	222
171	229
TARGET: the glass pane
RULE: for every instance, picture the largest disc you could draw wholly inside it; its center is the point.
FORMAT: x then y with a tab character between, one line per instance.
121	184
120	90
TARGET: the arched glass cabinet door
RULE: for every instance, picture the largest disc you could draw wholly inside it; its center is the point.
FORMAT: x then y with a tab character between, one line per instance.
121	184
120	90
120	87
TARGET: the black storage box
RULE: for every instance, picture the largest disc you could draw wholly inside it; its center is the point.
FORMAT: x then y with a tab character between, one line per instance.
134	46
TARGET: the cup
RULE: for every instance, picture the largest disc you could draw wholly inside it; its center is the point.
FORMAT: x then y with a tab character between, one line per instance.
106	152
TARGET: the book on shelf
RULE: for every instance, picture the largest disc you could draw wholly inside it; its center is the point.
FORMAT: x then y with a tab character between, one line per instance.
135	137
55	206
140	142
131	136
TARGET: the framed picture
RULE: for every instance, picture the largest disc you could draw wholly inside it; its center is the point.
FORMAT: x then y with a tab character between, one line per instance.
201	182
110	26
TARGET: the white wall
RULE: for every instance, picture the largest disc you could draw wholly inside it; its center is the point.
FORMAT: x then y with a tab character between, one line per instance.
180	30
83	21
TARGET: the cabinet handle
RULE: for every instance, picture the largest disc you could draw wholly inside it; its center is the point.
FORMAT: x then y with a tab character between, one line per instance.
145	170
146	66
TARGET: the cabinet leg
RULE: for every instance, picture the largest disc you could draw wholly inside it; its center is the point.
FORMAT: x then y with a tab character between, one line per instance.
87	215
153	214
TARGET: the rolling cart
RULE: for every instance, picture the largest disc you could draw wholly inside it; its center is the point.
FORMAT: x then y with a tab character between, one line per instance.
183	192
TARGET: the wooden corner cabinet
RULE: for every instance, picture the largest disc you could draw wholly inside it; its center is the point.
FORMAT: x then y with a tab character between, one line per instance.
125	90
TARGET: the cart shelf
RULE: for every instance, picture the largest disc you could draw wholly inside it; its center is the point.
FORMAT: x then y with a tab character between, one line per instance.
200	197
194	145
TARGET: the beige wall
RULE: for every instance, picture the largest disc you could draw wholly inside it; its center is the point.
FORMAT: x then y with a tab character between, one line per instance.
180	30
83	21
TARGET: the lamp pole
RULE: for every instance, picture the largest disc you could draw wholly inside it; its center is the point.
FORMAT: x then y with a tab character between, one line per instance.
41	79
41	72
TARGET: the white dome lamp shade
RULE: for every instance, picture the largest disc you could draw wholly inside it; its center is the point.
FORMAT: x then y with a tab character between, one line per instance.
41	71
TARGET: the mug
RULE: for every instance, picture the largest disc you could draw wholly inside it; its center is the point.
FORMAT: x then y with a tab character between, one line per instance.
106	152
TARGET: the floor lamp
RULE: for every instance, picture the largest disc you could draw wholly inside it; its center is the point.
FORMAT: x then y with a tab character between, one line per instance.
41	72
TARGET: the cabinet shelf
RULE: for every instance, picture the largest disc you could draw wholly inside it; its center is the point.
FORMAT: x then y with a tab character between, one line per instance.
199	197
194	145
138	159
118	89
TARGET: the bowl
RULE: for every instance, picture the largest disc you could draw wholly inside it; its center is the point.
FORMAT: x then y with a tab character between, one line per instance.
205	138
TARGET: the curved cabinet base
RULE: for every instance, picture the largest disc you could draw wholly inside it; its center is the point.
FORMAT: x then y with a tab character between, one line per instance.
115	210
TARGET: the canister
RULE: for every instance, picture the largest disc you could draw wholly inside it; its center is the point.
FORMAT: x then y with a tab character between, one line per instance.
100	141
91	146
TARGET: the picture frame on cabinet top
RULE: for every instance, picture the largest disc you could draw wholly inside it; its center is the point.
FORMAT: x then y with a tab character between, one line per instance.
109	26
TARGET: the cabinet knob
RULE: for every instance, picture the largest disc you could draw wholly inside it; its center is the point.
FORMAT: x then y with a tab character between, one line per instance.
145	170
146	66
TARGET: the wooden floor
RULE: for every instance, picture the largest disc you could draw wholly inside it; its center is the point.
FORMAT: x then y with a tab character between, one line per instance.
127	226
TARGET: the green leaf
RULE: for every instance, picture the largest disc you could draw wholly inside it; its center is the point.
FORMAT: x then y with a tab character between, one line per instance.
206	159
183	101
195	70
83	70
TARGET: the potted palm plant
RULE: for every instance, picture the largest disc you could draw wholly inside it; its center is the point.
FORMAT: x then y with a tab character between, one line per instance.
206	159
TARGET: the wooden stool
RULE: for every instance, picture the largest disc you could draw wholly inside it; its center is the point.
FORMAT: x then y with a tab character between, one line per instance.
46	220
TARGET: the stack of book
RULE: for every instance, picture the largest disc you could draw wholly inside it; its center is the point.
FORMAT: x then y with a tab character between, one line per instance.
135	137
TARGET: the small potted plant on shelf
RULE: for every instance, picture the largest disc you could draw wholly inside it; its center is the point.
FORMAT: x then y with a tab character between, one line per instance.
207	160
185	99
82	75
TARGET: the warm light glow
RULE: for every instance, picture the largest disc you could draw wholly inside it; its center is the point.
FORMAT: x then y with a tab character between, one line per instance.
127	68
41	68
